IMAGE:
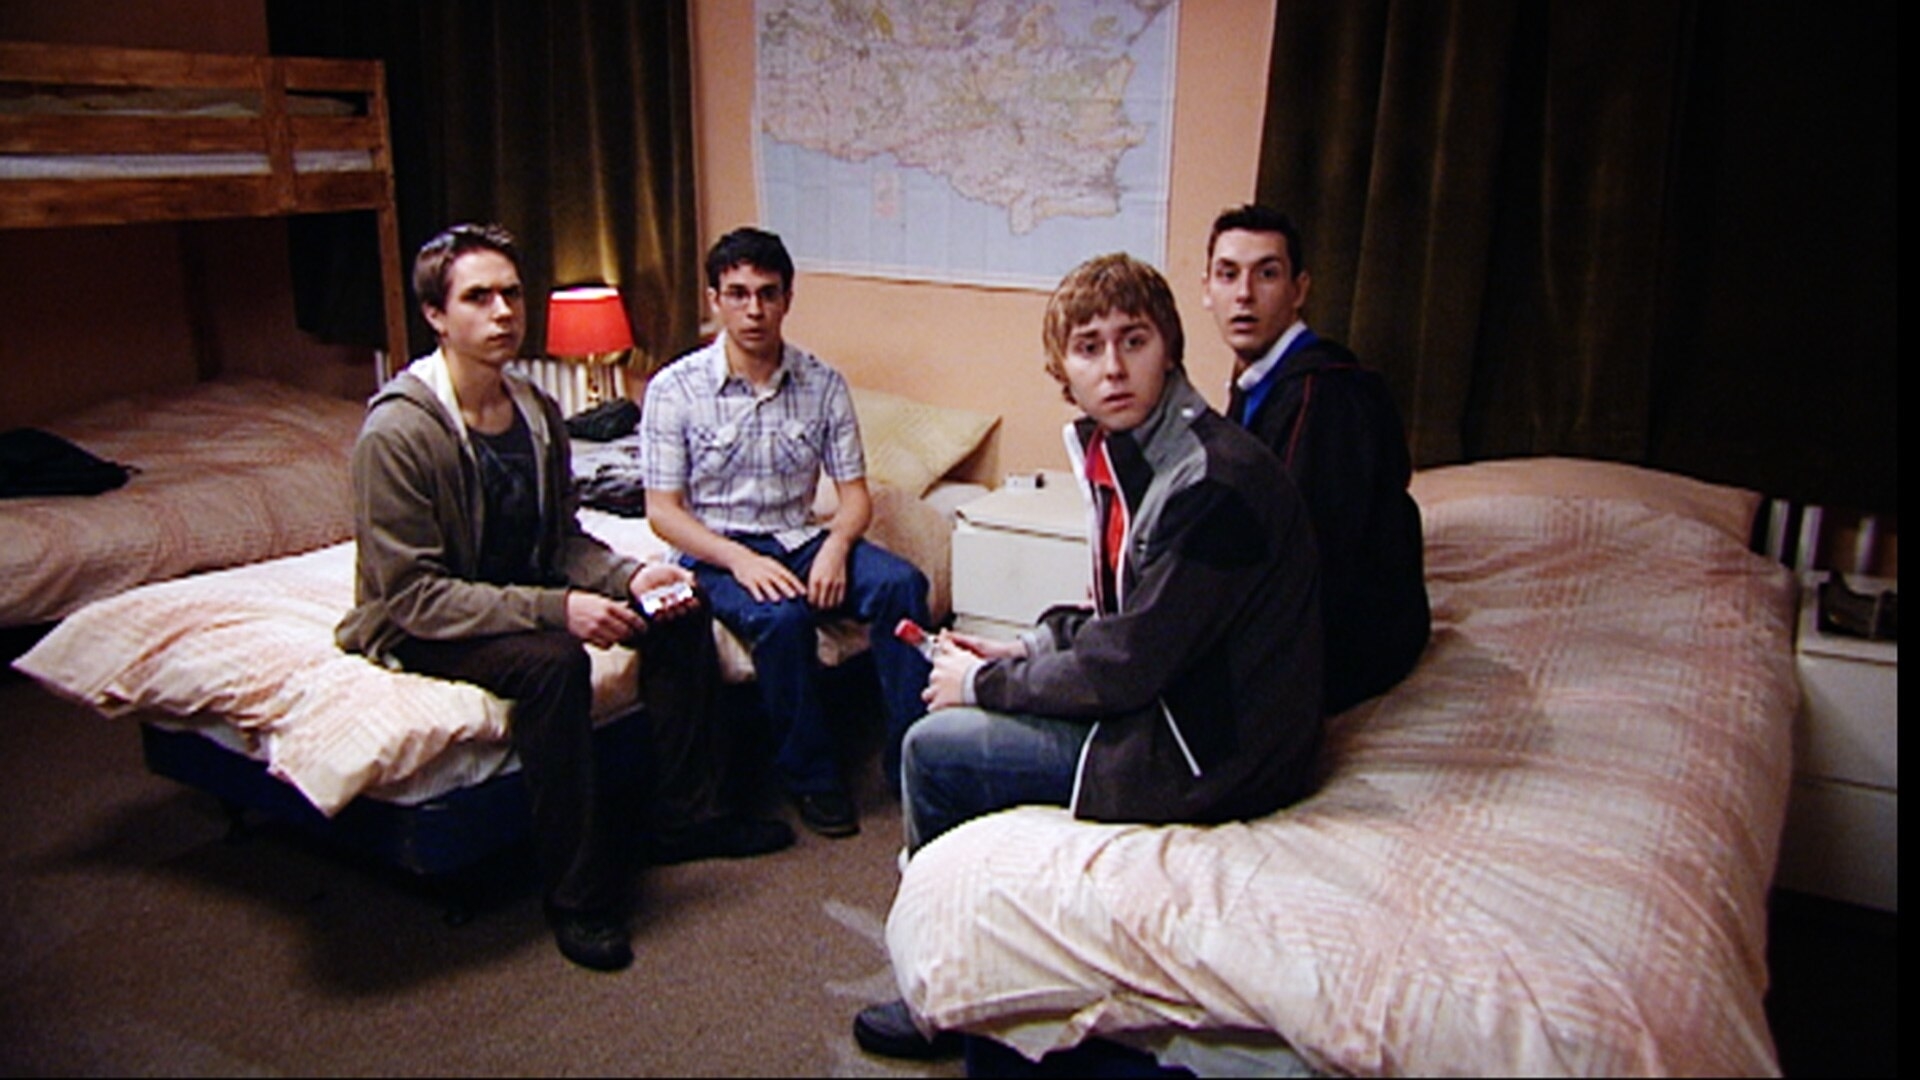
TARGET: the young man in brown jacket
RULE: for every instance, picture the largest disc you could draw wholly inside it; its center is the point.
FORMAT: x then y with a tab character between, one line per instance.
472	566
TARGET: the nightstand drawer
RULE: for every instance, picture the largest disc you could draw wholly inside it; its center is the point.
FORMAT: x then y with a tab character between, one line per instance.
996	629
1842	841
1849	725
1012	577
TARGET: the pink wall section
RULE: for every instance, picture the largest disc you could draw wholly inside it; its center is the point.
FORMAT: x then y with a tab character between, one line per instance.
977	347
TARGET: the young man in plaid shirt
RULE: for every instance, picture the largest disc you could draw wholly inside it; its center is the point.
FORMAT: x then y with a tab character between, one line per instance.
736	435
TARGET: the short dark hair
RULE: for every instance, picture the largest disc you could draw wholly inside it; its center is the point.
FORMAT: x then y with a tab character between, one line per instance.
433	267
1253	217
753	247
1117	282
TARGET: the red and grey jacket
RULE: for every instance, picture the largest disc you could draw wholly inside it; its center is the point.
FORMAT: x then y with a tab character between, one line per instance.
1202	687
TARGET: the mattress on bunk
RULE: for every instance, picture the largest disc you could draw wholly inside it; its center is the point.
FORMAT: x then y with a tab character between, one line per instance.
168	103
248	652
155	166
228	472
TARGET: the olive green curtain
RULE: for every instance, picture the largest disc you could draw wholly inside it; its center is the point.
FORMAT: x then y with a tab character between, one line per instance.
1540	219
568	122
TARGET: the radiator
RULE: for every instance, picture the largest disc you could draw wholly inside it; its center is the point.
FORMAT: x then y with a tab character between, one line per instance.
572	385
1808	536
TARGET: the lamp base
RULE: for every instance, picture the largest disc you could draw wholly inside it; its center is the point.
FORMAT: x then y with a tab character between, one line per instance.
603	384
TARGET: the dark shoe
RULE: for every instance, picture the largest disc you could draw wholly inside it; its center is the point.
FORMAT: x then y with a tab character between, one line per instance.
888	1030
592	941
829	813
721	838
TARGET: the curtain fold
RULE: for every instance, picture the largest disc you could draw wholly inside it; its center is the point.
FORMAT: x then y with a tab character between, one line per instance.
1614	231
571	123
1482	195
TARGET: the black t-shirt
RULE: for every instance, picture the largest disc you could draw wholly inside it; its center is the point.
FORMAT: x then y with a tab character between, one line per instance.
509	475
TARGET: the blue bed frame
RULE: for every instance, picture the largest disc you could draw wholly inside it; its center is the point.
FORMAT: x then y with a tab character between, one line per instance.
436	841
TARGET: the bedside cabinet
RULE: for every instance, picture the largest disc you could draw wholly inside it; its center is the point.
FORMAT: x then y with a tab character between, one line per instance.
1018	552
1842	838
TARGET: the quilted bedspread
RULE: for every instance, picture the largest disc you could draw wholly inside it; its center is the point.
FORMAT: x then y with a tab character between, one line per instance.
1547	852
253	645
229	472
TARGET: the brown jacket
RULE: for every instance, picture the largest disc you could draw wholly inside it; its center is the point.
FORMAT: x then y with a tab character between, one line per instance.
418	505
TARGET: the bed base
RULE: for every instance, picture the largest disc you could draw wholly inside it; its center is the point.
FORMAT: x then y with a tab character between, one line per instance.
438	842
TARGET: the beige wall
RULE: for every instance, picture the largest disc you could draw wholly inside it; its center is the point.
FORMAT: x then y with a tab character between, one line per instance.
978	347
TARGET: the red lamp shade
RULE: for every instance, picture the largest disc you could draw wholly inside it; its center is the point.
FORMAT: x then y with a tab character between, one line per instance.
587	322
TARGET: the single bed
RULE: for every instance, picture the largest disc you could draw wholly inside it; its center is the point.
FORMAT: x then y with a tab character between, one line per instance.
228	472
1547	852
238	687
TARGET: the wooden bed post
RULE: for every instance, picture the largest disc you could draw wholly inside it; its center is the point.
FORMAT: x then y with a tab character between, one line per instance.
392	271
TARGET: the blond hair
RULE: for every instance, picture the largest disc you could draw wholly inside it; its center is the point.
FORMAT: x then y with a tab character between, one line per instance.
1117	282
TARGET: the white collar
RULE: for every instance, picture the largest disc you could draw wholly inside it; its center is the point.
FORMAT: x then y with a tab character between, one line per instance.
1251	377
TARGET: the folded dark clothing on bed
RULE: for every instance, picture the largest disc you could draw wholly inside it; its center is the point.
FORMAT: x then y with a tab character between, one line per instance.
613	490
605	422
36	462
606	475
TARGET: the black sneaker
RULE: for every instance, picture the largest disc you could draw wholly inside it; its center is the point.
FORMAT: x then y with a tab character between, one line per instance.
829	813
888	1030
592	941
721	838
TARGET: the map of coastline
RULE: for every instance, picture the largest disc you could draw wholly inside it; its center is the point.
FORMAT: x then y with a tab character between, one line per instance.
886	109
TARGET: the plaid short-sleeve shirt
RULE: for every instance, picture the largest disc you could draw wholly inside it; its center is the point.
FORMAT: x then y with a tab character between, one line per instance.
749	461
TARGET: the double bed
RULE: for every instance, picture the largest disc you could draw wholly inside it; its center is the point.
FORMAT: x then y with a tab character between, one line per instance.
1547	852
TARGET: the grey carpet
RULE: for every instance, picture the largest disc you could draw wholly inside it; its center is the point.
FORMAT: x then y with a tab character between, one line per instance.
136	939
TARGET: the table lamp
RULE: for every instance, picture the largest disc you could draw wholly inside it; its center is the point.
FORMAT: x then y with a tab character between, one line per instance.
588	325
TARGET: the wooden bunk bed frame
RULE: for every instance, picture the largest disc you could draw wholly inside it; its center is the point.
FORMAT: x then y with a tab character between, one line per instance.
274	129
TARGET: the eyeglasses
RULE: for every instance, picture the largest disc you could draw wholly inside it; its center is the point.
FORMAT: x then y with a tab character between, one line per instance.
737	296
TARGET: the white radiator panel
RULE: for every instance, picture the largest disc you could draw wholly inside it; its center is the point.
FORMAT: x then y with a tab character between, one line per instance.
572	384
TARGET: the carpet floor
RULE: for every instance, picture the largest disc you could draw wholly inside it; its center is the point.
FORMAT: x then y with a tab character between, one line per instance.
138	939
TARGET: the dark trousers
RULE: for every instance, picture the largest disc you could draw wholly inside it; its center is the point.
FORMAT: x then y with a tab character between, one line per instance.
882	589
546	675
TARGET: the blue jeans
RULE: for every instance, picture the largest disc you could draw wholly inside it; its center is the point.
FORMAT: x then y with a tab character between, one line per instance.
962	763
882	589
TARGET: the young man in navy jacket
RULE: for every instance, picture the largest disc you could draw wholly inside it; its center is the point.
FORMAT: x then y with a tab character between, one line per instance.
1333	424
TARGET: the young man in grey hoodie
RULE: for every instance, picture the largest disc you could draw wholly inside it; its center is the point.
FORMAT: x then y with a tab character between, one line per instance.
472	566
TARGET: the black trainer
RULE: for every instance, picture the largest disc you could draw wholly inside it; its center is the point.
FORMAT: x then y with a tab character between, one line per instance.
829	813
888	1030
720	838
593	941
